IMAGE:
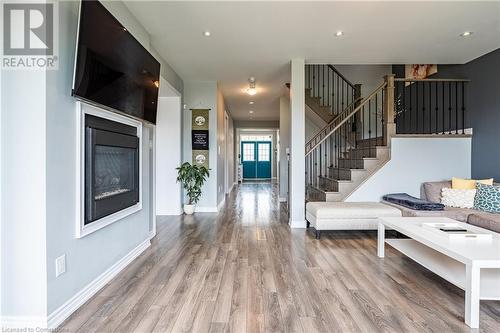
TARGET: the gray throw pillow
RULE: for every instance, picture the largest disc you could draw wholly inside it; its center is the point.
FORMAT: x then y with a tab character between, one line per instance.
432	190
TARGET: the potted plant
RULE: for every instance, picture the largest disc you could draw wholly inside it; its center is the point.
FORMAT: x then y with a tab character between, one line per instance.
192	178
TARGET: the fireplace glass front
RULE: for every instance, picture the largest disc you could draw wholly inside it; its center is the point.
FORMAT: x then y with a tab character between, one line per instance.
114	171
111	167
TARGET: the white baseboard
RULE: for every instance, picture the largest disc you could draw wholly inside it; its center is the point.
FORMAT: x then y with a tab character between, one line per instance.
282	199
297	224
206	209
152	233
173	212
64	311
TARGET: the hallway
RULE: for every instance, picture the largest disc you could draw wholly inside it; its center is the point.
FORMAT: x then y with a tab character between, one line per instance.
245	270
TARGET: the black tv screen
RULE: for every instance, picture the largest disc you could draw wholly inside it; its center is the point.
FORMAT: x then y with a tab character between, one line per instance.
112	68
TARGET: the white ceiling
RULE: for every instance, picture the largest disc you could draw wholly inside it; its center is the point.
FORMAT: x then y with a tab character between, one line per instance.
259	39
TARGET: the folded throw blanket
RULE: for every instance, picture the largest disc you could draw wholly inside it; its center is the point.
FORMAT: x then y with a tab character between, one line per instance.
406	200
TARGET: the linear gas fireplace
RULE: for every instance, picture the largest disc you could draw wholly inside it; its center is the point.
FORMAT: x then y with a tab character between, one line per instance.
111	167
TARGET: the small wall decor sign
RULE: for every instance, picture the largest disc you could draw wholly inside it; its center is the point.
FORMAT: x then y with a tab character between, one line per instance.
199	139
200	136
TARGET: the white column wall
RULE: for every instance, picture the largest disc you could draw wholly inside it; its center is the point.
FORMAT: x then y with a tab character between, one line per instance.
23	206
297	145
168	156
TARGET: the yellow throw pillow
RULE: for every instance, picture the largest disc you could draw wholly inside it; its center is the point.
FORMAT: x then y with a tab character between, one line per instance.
468	184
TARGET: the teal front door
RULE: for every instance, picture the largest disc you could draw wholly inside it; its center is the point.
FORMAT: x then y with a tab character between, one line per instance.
256	159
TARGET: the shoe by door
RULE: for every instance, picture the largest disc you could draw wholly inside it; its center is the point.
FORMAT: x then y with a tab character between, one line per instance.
256	159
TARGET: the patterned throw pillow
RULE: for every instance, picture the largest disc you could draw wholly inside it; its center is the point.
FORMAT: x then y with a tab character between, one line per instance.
458	198
487	198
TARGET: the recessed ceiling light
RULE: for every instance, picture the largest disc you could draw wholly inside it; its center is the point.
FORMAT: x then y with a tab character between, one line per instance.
251	111
339	33
251	102
207	33
466	33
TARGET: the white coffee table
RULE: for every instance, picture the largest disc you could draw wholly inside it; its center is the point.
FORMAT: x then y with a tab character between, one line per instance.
471	264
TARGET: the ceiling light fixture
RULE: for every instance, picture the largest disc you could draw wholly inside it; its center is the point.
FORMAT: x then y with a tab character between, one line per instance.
207	34
251	102
339	33
251	111
251	90
466	33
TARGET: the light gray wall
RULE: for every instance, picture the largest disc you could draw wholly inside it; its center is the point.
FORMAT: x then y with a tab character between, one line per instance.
415	161
202	95
39	172
23	190
88	257
284	144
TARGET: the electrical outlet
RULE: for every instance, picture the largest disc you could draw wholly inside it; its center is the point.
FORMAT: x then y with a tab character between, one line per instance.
60	265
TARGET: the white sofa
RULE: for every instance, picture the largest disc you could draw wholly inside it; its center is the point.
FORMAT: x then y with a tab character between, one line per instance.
347	215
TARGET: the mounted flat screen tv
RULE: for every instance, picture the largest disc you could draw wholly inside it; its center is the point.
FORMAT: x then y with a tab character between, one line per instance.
112	68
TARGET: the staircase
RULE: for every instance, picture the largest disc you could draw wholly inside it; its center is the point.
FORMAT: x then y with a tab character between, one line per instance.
352	147
355	142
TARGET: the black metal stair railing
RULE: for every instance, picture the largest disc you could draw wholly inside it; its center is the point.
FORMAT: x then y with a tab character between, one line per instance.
351	138
431	106
398	106
330	87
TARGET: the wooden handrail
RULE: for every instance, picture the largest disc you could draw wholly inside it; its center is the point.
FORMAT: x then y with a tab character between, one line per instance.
342	76
356	110
334	120
430	80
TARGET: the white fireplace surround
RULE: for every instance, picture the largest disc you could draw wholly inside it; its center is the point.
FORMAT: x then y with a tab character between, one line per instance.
81	110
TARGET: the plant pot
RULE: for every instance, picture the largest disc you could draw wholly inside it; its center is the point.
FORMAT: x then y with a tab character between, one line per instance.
189	209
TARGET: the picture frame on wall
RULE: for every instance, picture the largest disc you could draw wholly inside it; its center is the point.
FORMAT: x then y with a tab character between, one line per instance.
419	72
200	137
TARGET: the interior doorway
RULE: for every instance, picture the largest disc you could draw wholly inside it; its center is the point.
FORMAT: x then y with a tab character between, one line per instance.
257	154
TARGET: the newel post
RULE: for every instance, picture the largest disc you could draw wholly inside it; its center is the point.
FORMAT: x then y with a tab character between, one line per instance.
390	126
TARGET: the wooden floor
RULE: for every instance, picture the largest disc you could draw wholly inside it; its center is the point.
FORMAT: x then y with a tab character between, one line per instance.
245	270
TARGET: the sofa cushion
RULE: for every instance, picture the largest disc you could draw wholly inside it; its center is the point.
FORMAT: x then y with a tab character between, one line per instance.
468	184
458	198
485	220
432	190
407	200
350	210
487	198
